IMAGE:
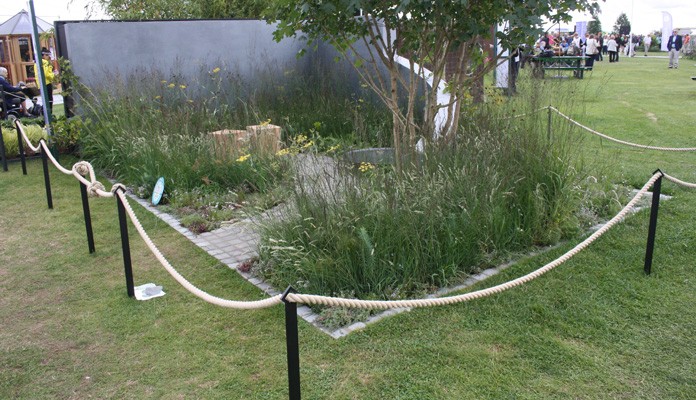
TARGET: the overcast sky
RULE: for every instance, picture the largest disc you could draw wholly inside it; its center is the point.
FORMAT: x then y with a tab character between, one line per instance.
645	15
49	10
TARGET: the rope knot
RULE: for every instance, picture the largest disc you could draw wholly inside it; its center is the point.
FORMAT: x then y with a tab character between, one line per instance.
94	188
117	186
82	168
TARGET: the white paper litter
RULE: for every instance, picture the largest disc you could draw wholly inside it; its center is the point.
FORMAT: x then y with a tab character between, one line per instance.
148	291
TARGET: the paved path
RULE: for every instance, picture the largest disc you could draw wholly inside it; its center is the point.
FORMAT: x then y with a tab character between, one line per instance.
232	244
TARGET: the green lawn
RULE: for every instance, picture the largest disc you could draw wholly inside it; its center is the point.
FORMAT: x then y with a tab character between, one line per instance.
596	327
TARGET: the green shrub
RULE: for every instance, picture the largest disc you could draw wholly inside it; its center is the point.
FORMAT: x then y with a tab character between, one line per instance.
67	133
34	132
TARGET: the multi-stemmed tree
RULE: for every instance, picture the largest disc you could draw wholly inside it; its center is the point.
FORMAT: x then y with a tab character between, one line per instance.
445	43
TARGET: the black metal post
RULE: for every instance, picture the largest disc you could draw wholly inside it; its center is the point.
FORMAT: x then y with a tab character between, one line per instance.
653	224
125	245
20	148
47	179
88	217
3	152
548	126
293	346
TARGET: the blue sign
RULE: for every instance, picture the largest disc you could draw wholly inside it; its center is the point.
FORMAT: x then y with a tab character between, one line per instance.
158	191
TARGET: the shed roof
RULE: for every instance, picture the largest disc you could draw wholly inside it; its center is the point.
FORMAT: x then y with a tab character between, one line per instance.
20	24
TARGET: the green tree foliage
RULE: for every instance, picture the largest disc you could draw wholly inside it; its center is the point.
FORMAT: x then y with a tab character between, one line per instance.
594	26
430	33
622	26
182	9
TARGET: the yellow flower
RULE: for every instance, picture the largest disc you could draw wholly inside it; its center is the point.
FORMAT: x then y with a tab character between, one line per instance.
171	85
182	86
266	122
163	81
300	139
158	97
283	152
190	101
333	148
364	167
216	70
308	144
243	158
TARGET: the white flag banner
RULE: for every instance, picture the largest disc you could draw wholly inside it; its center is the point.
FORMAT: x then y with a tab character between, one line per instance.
501	70
666	29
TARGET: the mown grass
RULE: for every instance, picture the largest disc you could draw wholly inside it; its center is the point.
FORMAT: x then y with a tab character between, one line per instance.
596	327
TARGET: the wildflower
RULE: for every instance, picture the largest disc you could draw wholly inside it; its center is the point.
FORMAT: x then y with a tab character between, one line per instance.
171	85
333	148
308	144
182	86
365	166
243	158
283	152
300	139
158	97
163	81
266	122
216	70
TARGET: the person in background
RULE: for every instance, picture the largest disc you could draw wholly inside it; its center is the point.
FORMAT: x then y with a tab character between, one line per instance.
647	41
674	45
600	41
8	88
687	39
605	50
49	76
612	48
591	50
619	47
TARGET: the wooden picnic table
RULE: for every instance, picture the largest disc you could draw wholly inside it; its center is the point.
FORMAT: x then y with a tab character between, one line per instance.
560	63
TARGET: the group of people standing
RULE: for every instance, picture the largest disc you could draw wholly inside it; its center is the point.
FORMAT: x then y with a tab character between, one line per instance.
589	45
596	45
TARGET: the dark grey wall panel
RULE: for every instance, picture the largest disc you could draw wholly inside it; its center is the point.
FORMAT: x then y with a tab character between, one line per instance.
173	47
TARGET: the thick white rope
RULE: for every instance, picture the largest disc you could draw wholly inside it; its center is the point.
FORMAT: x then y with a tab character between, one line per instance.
20	127
641	146
84	168
243	305
680	182
387	304
79	169
528	113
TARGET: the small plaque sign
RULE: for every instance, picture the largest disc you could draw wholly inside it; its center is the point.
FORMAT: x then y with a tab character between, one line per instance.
158	191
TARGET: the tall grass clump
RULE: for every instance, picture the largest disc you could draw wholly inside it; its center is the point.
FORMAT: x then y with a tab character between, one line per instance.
152	123
503	185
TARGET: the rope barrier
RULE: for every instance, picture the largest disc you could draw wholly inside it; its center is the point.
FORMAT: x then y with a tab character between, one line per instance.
387	304
79	169
641	146
680	182
96	188
243	305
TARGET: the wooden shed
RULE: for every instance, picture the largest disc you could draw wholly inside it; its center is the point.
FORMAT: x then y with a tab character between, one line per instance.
17	47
